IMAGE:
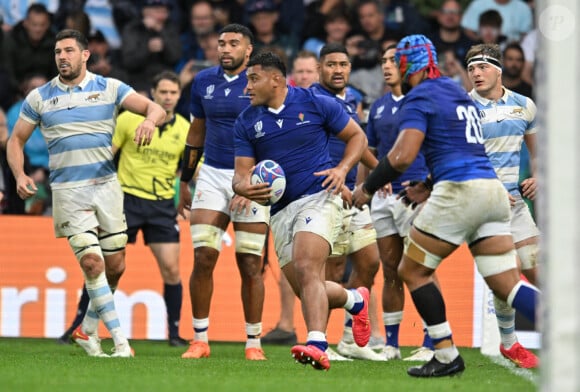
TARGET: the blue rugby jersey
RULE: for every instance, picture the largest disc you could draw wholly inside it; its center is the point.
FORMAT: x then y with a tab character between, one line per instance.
505	123
219	99
453	145
382	131
295	135
77	124
337	146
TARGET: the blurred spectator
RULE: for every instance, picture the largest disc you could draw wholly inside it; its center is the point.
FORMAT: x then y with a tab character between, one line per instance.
490	23
228	11
78	20
292	17
13	11
3	165
513	66
452	67
336	25
403	18
202	23
304	69
529	46
516	16
316	13
449	34
263	23
208	45
150	45
8	89
124	12
29	46
103	60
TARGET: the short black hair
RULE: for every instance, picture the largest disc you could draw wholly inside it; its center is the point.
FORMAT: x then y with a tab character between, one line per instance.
238	28
38	8
268	59
491	18
76	35
515	46
166	75
333	48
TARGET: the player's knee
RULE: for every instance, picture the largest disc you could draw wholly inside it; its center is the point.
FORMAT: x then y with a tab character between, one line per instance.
489	265
528	255
112	243
206	236
362	238
420	255
250	243
86	246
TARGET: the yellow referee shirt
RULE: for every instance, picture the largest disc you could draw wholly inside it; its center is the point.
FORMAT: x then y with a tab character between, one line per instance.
149	171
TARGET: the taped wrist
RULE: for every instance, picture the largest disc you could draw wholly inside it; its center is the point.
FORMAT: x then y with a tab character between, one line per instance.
191	157
383	174
428	181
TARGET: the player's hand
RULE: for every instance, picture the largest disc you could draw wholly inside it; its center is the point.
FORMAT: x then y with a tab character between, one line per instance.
414	193
25	187
260	193
144	132
346	195
511	199
360	197
184	204
529	187
334	180
385	191
239	204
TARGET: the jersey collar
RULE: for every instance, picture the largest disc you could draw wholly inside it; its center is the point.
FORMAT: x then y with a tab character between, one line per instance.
484	101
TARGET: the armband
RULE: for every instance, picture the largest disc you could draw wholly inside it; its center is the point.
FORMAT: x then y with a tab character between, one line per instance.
383	174
191	157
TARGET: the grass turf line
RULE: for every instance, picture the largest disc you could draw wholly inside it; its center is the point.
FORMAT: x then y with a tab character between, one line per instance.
43	365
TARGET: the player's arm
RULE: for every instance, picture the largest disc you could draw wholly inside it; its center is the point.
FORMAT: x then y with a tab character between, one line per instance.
191	156
356	144
241	185
391	167
25	186
529	185
154	116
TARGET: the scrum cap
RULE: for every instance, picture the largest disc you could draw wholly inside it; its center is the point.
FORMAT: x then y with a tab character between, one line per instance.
414	54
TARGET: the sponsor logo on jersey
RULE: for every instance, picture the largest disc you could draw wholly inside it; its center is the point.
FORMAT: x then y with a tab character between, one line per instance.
93	98
227	91
279	122
301	118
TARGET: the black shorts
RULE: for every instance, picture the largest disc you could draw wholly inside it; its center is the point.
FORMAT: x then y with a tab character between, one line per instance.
156	218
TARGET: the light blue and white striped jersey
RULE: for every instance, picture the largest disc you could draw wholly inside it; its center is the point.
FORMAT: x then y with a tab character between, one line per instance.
77	124
504	124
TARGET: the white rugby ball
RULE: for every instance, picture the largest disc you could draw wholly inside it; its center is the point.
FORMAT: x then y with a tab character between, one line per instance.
270	172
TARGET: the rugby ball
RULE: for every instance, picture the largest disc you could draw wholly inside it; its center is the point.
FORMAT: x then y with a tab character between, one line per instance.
270	172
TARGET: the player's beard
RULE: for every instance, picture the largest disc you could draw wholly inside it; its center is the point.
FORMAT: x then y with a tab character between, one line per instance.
72	75
234	65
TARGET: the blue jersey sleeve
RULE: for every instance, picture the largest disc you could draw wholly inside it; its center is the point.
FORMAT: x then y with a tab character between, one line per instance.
370	128
336	117
242	145
415	112
195	106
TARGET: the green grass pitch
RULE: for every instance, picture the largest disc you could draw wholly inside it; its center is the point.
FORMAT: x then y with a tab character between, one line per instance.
43	365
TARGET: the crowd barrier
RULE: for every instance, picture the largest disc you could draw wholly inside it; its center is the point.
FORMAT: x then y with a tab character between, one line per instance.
40	283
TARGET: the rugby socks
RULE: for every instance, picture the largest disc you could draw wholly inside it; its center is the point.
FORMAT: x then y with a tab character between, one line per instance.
200	327
253	332
429	304
103	304
427	341
392	322
173	296
317	339
347	336
354	301
524	298
81	311
506	321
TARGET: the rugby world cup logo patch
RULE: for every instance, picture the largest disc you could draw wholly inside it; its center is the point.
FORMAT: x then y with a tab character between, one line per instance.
258	128
209	91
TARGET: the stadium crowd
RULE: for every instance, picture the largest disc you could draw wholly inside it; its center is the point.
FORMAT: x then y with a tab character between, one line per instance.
181	35
133	41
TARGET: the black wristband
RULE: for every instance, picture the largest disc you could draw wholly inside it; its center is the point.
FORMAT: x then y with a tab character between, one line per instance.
191	157
383	174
